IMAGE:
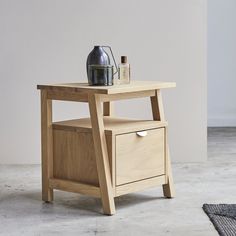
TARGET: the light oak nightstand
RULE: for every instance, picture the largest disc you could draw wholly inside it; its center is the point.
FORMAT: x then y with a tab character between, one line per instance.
104	156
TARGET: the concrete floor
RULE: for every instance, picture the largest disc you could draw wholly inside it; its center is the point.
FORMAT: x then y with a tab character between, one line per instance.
144	213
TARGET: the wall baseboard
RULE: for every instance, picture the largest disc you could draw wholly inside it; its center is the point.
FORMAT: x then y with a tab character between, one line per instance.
221	122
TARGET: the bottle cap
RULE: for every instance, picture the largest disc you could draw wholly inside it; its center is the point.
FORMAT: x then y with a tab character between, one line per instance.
123	59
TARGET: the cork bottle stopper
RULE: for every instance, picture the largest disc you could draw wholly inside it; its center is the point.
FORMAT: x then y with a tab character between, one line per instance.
124	59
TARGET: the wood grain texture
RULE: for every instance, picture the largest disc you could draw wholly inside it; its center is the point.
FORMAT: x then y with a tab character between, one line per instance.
46	146
134	86
101	153
67	96
75	187
128	95
168	188
108	109
111	144
138	157
140	185
74	156
157	106
158	114
112	125
104	156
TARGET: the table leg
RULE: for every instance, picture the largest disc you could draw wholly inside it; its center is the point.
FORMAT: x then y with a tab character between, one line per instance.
157	106
46	143
158	114
168	189
102	161
108	109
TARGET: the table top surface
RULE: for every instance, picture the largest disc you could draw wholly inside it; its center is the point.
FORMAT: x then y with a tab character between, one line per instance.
134	86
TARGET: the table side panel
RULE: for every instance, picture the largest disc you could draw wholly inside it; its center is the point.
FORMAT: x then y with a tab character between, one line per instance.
74	156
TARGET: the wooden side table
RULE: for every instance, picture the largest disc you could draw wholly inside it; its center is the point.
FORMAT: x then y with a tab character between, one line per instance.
104	156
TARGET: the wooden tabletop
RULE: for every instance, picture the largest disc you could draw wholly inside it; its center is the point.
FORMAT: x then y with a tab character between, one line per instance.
134	86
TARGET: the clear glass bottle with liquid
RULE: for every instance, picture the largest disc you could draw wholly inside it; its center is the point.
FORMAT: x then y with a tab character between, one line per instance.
124	71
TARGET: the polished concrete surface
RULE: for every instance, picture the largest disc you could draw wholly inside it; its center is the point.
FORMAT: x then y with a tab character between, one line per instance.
143	213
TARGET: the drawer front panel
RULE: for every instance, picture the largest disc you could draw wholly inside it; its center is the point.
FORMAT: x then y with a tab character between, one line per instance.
140	155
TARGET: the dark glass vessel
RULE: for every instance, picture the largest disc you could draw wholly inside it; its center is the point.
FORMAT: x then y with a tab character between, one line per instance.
99	69
97	56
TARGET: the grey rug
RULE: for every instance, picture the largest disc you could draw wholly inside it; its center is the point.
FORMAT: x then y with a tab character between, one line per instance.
223	217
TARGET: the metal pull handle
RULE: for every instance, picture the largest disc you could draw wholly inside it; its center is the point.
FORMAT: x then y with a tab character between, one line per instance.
141	133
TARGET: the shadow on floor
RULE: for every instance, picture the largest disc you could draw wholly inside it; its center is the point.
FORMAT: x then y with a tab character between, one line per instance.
69	202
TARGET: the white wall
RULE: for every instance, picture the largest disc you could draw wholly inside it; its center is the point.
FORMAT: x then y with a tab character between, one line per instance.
221	63
48	41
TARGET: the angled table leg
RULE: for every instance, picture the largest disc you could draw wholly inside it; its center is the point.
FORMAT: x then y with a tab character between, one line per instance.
46	143
168	189
158	114
102	161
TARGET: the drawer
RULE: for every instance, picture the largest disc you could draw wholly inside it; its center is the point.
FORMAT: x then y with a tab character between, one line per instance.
140	157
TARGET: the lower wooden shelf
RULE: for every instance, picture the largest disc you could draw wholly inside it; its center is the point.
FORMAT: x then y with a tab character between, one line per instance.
112	125
91	190
75	187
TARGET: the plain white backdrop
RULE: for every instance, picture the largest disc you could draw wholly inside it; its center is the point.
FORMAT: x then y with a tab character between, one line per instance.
221	63
47	41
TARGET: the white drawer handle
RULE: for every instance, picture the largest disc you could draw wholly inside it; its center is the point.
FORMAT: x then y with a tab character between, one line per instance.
141	133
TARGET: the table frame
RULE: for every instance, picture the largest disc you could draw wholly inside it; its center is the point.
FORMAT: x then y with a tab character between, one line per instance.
95	100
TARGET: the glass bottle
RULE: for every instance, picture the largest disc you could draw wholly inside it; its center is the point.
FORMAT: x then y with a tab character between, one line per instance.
124	71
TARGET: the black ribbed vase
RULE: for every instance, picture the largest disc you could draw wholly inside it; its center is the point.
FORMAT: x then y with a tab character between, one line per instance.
99	70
